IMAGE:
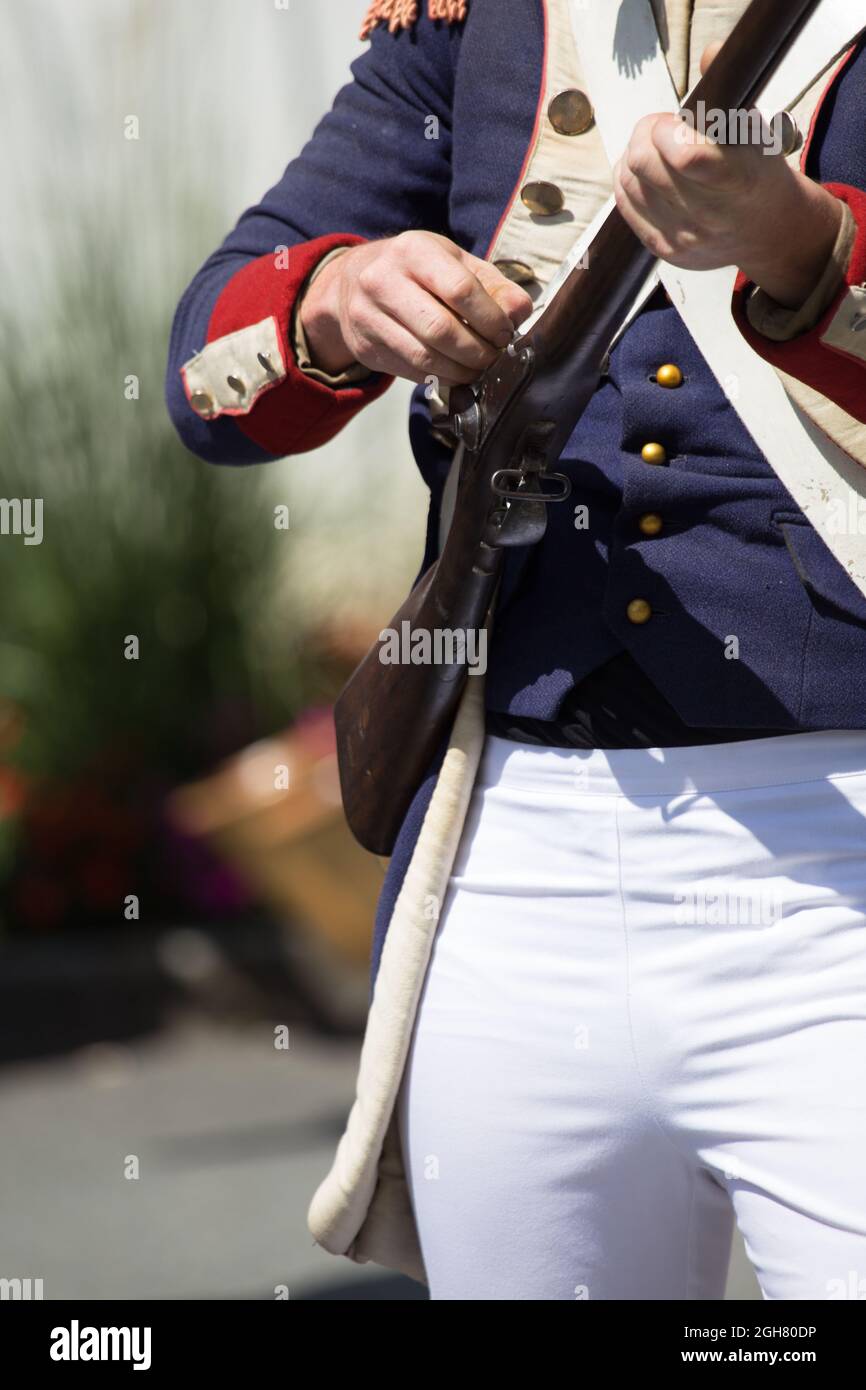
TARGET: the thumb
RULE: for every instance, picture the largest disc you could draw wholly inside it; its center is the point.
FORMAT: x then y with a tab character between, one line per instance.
510	297
710	52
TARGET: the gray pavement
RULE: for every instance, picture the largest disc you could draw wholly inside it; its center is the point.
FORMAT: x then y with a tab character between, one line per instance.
231	1137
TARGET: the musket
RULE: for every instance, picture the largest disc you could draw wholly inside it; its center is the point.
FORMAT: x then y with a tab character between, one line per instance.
513	423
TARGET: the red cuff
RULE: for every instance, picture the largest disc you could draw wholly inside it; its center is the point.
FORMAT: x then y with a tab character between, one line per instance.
296	413
829	370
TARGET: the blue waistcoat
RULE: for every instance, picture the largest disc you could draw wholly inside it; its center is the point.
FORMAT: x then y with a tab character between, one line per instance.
754	623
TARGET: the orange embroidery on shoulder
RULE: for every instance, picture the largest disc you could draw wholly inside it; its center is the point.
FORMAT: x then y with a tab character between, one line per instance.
452	11
402	14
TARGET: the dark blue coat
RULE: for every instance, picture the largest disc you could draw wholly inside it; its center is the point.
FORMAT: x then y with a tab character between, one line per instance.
735	557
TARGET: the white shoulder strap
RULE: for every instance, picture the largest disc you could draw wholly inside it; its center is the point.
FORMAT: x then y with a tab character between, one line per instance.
628	78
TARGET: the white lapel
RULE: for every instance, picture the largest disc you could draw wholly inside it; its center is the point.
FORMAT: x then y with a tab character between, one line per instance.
819	475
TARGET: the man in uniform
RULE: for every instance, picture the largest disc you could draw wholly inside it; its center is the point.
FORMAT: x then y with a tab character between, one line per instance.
411	237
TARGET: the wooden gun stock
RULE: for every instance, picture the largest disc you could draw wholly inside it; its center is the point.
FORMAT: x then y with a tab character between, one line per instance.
514	423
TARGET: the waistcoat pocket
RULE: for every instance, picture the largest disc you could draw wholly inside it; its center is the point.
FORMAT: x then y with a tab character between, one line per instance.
824	579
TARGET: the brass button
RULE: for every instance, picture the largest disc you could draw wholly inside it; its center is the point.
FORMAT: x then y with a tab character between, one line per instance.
654	453
202	403
517	271
639	611
544	199
669	376
236	384
792	138
571	112
650	523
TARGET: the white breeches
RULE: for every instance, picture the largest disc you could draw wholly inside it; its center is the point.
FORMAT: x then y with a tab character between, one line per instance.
645	1017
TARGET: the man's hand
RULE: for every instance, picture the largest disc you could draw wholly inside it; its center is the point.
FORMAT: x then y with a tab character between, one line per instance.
702	205
414	305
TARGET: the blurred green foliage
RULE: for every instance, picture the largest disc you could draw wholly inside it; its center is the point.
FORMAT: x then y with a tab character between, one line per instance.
141	539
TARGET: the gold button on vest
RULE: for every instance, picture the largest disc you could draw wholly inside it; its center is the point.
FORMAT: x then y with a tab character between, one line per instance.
639	611
650	523
669	376
571	112
517	271
544	199
654	453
